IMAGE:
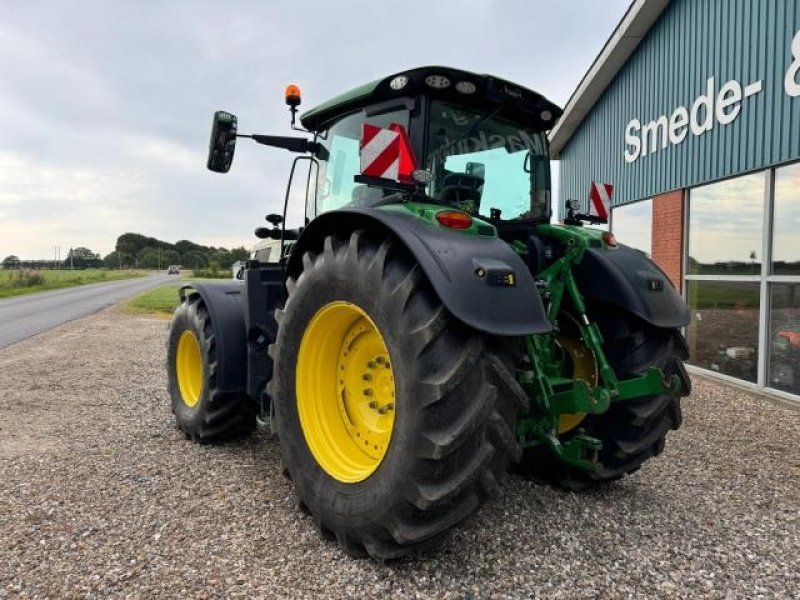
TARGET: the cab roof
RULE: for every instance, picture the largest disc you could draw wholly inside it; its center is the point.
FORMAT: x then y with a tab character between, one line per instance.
447	83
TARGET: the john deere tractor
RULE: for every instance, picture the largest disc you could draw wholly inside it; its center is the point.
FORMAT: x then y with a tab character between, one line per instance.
424	327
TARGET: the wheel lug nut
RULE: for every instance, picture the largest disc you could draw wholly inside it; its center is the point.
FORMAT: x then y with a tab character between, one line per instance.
366	377
371	364
373	404
380	360
368	392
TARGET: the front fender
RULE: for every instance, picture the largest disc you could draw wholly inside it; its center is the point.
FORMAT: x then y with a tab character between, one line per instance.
451	261
626	278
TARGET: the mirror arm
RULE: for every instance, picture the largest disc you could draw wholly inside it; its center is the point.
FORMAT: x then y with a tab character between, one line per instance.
293	110
292	144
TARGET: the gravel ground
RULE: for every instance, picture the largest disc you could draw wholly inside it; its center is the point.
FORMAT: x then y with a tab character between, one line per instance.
100	495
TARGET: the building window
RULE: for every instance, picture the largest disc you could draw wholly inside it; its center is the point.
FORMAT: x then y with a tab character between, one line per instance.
723	331
743	290
725	227
632	225
784	334
786	240
723	275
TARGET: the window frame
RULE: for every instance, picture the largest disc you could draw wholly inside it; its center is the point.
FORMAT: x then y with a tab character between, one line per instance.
322	136
765	278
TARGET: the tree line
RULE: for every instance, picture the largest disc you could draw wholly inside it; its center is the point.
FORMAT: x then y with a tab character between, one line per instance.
136	251
77	258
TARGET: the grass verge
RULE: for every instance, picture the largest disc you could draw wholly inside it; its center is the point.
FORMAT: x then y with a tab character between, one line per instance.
18	283
162	300
159	301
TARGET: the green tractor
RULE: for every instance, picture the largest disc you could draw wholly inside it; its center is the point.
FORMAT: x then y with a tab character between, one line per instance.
426	328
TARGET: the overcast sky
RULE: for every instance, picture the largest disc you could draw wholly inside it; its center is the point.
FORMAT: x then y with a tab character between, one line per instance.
107	105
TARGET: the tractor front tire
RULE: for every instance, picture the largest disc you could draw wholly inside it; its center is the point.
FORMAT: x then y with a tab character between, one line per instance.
203	412
632	431
395	420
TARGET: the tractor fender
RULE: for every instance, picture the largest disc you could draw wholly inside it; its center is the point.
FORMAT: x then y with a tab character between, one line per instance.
224	304
468	272
626	278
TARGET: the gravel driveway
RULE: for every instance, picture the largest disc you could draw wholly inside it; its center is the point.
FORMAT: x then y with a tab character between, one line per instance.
100	495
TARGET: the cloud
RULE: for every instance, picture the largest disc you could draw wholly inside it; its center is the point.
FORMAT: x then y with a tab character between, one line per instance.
107	104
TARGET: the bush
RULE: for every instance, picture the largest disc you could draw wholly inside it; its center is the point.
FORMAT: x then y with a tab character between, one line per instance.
26	278
213	272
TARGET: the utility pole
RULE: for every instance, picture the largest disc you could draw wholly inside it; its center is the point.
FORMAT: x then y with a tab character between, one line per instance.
71	264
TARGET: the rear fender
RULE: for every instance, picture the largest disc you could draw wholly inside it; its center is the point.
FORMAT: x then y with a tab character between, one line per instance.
451	261
626	278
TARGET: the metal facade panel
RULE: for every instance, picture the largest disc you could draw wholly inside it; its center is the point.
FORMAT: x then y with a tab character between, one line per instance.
742	40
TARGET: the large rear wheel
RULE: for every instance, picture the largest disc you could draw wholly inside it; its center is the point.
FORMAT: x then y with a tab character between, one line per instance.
395	420
632	431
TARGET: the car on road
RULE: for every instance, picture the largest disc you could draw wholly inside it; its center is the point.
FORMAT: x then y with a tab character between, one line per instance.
174	270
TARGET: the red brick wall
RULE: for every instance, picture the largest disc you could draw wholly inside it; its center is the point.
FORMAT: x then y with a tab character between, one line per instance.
667	238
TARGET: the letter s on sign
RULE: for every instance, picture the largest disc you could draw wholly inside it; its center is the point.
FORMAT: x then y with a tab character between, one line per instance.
790	81
632	139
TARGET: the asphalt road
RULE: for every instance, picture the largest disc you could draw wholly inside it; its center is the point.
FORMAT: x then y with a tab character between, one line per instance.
24	316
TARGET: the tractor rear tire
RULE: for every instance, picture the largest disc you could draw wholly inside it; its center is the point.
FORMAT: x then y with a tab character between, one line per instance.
631	431
203	412
433	456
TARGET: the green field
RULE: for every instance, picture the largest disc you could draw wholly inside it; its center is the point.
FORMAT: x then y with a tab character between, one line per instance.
17	283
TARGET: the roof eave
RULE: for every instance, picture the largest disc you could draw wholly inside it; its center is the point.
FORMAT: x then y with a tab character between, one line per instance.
633	27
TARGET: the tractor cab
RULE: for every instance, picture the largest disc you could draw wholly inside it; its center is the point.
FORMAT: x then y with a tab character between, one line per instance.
435	135
472	142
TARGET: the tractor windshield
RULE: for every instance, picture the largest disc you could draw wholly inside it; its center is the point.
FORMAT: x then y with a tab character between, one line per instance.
486	165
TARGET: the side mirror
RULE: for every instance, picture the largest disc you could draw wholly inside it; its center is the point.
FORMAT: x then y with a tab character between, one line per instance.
223	142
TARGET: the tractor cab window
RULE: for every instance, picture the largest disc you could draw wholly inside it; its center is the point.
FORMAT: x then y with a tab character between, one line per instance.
486	165
339	163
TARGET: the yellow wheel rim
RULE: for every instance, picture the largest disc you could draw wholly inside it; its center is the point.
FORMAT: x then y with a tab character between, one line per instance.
189	368
345	392
584	366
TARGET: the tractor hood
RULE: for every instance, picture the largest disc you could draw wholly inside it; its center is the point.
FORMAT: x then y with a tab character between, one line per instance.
455	85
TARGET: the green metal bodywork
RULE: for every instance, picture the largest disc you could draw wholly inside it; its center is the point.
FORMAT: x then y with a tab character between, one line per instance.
427	212
361	92
552	392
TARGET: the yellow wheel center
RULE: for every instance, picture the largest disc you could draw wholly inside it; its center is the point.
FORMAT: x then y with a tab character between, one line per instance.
584	366
345	392
189	368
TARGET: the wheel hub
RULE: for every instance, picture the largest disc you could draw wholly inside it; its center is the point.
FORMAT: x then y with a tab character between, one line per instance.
584	366
345	392
366	388
189	368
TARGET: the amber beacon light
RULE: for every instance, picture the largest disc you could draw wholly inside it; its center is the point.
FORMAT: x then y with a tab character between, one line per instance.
292	95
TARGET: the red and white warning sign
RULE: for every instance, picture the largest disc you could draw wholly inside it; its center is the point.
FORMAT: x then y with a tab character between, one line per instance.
600	196
386	153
